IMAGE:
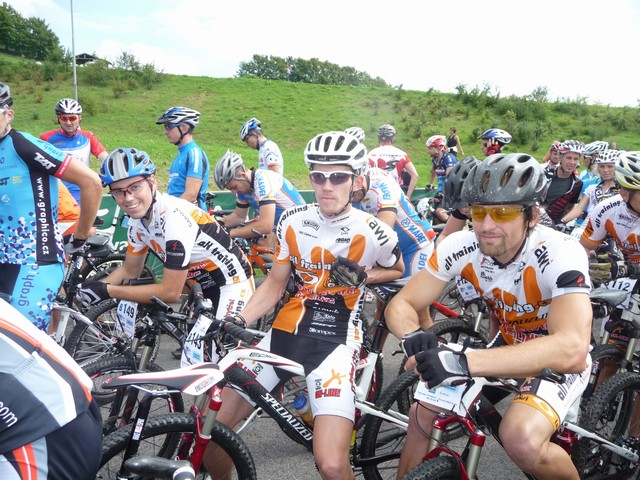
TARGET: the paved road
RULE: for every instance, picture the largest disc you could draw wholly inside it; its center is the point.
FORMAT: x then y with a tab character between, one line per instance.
279	458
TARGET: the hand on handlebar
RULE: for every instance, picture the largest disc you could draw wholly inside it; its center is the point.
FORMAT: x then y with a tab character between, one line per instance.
442	366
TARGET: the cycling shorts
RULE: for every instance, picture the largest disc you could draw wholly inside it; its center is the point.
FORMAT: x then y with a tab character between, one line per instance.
33	289
72	451
416	261
329	370
557	402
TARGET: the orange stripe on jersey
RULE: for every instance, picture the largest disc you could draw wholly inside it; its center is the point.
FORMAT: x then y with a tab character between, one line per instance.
469	274
26	462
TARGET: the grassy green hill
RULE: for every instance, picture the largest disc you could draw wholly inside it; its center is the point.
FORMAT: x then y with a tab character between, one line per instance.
292	113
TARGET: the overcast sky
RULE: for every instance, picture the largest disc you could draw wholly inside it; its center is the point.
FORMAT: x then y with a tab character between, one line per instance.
581	48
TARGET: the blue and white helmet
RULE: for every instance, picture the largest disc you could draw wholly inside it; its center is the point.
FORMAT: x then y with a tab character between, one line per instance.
125	163
501	136
180	116
252	124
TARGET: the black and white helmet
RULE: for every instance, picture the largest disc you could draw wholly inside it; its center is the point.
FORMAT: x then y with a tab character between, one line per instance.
68	106
386	131
356	132
336	148
226	169
5	95
502	179
180	116
608	156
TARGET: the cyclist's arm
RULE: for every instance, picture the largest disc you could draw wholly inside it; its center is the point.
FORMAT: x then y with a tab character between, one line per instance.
168	290
275	168
576	211
388	217
421	291
453	225
238	216
102	155
413	173
459	145
588	244
192	189
90	194
382	275
264	223
131	268
432	177
564	349
268	293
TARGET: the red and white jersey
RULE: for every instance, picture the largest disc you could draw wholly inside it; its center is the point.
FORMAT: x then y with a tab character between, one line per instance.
613	217
310	243
389	158
184	236
549	265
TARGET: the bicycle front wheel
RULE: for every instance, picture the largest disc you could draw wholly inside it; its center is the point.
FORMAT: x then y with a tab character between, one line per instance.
438	468
162	436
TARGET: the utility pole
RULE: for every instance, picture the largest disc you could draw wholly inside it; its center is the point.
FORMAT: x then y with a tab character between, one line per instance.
73	54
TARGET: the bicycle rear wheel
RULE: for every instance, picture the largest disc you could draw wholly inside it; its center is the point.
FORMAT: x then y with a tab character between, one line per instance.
162	436
611	413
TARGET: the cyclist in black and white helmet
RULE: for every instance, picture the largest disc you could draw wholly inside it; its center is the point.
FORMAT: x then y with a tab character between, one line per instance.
269	154
70	138
536	283
189	171
332	250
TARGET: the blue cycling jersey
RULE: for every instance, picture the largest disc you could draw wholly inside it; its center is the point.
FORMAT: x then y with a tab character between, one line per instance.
190	162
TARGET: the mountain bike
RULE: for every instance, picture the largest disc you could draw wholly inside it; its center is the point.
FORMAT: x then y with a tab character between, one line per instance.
294	427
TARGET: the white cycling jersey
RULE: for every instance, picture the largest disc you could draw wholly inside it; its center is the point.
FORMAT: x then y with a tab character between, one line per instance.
550	264
269	155
183	237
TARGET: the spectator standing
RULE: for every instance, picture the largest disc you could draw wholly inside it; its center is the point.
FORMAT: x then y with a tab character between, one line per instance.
453	142
394	160
31	251
189	171
269	154
71	139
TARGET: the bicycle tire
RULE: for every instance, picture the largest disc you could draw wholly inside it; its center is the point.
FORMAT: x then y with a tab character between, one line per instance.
436	468
608	413
165	431
86	345
450	298
599	355
111	367
381	437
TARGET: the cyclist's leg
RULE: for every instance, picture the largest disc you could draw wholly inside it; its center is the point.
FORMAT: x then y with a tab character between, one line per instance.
33	289
534	416
72	451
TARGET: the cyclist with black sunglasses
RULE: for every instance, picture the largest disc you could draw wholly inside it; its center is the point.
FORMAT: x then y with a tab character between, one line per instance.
70	138
332	249
536	282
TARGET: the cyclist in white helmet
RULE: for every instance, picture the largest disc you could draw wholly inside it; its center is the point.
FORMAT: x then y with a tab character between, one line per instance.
70	138
564	184
356	132
189	171
321	244
269	154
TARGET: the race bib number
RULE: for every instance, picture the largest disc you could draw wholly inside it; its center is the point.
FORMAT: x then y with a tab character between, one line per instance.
624	284
577	231
193	349
467	291
448	398
126	324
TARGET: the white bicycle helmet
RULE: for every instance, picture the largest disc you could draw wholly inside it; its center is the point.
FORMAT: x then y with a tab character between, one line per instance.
227	168
628	170
574	146
502	179
608	156
356	132
387	131
251	124
179	116
336	148
590	149
436	141
68	106
5	95
500	136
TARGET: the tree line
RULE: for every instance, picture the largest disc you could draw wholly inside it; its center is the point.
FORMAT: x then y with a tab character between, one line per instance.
306	71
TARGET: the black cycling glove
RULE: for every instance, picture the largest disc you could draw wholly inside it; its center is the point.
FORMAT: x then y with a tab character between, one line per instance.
348	273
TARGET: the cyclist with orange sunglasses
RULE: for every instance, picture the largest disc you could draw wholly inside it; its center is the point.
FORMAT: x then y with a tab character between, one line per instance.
71	139
536	282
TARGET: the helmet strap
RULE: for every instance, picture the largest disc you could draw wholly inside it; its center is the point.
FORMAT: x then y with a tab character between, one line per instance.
147	216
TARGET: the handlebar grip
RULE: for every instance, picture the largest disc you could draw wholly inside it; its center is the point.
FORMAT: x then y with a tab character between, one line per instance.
198	297
160	303
238	332
258	233
552	376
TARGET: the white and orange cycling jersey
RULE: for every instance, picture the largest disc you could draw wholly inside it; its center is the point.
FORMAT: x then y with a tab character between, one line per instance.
612	217
183	237
310	243
550	264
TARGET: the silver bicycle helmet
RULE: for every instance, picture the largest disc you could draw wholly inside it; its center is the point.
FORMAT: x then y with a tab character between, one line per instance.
125	163
68	106
455	181
179	116
227	168
387	131
356	132
628	170
336	148
5	95
501	179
